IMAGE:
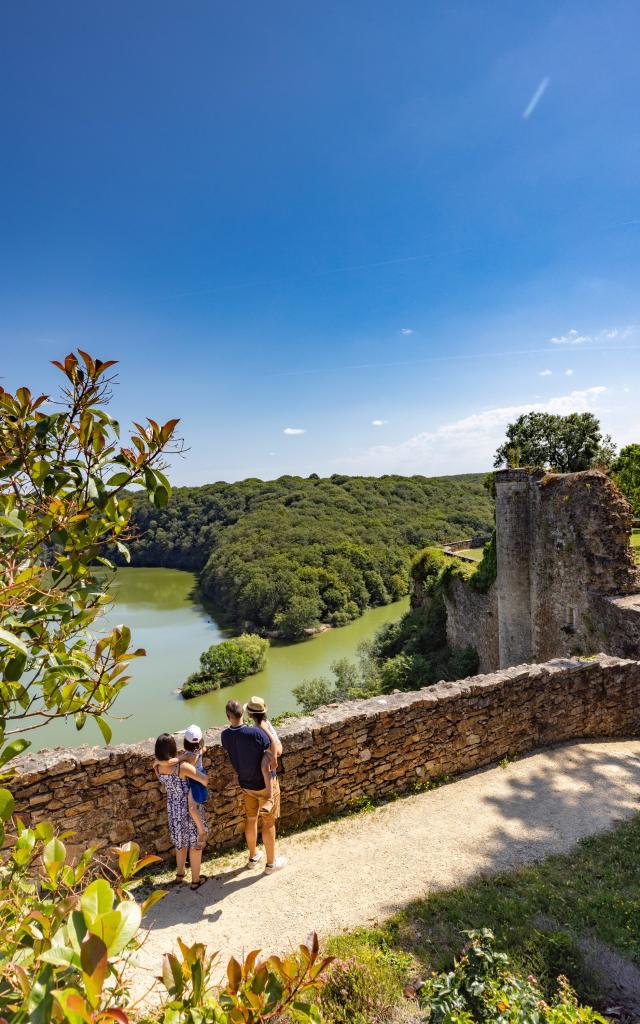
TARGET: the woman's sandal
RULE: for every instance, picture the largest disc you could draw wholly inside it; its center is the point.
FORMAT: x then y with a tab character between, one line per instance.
179	877
201	881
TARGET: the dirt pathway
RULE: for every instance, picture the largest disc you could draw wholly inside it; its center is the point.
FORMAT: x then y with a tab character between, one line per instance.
361	869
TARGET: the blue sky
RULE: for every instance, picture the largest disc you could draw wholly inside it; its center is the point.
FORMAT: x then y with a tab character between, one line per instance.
363	220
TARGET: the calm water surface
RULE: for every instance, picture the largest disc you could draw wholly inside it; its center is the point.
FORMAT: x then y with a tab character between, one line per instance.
165	619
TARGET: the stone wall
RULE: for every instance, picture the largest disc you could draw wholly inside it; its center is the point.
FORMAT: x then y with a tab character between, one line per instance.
566	580
372	748
472	619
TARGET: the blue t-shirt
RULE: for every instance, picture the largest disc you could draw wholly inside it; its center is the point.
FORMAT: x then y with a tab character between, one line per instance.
199	791
245	746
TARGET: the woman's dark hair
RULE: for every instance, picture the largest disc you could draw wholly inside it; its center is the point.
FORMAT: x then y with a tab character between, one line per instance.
165	747
191	745
258	716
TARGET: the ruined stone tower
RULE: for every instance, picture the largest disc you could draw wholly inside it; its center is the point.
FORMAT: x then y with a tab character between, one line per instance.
513	583
566	578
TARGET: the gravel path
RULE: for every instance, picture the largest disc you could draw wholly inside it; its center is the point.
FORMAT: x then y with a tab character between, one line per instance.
361	869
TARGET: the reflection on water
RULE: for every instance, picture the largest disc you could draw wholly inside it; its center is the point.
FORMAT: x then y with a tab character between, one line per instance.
160	607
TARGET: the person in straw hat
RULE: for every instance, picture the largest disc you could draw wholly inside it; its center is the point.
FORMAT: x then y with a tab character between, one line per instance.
246	746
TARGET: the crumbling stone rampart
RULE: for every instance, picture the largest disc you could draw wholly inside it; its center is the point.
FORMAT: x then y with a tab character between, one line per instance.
372	748
566	575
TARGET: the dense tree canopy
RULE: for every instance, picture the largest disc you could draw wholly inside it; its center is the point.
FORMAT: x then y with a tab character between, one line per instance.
626	473
565	444
287	553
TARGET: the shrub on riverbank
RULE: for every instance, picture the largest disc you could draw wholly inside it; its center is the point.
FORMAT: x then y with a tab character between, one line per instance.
227	663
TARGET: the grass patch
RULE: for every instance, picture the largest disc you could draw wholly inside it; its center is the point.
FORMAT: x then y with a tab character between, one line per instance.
594	889
475	553
635	544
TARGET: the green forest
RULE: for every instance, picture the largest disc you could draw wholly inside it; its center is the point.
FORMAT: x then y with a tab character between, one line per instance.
287	554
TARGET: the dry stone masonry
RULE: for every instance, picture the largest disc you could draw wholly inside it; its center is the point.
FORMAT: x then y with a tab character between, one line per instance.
372	748
566	582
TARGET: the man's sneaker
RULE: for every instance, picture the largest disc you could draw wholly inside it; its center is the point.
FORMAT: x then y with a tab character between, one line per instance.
256	858
278	864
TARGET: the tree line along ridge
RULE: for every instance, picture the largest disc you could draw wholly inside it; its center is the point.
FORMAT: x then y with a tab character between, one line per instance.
287	554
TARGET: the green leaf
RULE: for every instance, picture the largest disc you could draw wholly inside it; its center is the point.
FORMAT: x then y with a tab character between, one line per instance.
118	480
160	497
53	856
119	926
7	804
14	668
44	831
124	551
23	848
97	899
77	929
172	977
105	729
13	641
40	1001
13	749
155	897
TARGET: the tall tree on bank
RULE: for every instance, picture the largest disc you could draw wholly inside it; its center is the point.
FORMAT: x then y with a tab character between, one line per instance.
564	444
64	473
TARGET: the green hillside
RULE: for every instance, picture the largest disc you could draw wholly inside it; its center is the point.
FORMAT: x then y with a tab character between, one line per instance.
291	552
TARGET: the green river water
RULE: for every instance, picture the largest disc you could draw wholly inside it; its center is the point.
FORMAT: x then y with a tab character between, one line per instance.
165	619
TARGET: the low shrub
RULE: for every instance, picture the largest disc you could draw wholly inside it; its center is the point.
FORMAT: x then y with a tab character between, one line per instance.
484	989
364	983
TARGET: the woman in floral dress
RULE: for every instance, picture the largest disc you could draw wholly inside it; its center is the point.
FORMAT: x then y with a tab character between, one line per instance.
184	834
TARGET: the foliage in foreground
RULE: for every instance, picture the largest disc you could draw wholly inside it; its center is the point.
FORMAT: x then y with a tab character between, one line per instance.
70	929
369	981
284	554
227	663
482	988
63	477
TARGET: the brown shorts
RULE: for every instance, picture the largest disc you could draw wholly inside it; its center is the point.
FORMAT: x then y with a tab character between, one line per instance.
254	800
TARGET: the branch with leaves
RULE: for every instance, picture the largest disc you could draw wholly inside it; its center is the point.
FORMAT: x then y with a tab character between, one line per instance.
65	502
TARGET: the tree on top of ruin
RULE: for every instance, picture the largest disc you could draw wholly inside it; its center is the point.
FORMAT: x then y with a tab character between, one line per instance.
565	444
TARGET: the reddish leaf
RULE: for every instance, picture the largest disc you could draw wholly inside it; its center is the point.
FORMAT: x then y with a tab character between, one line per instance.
234	974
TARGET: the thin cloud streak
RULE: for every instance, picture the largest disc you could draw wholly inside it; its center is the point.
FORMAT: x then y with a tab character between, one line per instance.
443	359
535	99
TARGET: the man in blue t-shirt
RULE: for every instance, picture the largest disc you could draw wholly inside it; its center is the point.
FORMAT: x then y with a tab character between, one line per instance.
245	747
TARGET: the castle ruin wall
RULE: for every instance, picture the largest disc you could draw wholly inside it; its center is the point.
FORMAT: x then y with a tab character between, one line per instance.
472	619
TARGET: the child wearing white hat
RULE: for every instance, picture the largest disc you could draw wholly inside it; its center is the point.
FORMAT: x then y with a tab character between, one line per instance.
198	794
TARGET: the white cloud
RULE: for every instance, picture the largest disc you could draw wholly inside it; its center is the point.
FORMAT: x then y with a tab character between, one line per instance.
568	373
407	330
379	423
292	431
545	373
572	337
467	444
272	453
611	333
535	99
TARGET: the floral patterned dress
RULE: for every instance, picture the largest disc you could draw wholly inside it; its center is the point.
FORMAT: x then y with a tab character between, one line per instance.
182	827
